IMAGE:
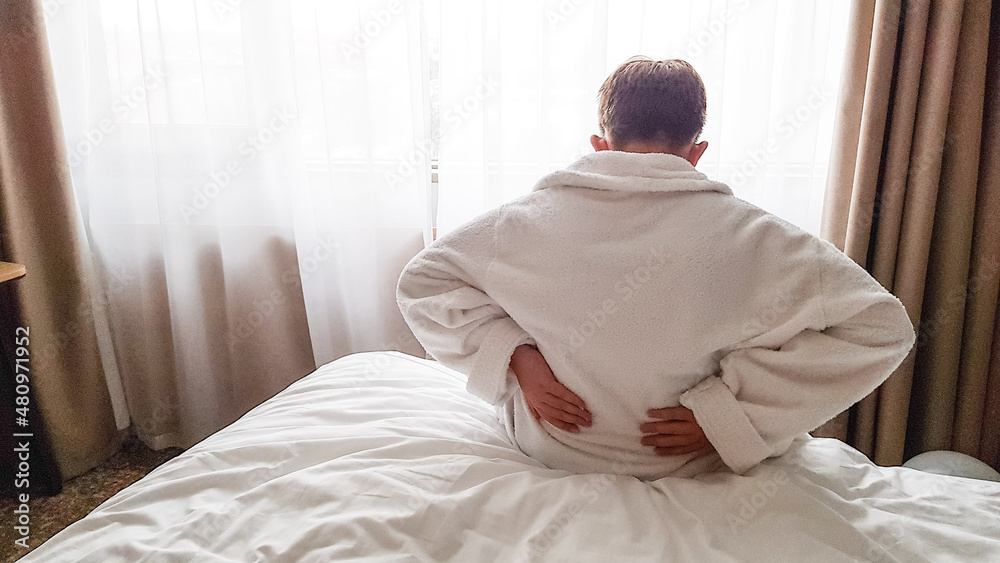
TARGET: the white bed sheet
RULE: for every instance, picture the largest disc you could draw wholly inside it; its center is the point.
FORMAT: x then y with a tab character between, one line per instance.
383	455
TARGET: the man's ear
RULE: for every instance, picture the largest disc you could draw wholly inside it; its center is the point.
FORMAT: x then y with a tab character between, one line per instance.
697	149
599	143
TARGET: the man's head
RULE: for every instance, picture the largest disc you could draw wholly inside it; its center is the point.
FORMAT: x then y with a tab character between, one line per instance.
652	106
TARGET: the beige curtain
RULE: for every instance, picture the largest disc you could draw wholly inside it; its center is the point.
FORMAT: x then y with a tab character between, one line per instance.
39	229
914	196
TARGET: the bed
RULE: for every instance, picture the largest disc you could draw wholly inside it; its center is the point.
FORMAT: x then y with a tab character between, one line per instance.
386	456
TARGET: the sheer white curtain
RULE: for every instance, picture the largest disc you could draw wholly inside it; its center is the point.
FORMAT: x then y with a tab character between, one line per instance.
253	175
771	68
232	162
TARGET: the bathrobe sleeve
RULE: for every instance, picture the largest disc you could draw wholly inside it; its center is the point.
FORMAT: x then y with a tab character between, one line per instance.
830	338
441	295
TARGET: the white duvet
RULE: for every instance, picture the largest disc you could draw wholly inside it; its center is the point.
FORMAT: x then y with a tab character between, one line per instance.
385	456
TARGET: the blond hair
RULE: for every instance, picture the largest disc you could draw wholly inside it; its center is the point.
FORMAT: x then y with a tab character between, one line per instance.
647	100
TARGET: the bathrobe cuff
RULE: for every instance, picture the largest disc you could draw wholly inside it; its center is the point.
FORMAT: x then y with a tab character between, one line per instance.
491	378
725	424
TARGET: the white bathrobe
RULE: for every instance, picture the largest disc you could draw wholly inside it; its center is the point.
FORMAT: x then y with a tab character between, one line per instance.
646	285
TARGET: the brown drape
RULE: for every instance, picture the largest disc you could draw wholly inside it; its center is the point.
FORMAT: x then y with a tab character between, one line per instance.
39	230
912	195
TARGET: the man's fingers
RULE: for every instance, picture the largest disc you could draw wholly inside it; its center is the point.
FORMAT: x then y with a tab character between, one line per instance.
670	427
561	391
672	413
673	440
675	432
679	450
709	448
573	412
565	426
551	413
569	427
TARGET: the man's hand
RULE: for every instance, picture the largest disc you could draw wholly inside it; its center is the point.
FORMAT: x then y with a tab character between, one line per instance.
547	399
675	432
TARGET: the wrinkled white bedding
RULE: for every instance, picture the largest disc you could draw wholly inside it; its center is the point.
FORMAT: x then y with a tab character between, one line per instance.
386	456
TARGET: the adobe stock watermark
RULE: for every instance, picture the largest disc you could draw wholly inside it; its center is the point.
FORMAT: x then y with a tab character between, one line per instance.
422	497
563	11
591	492
119	281
376	364
782	301
786	127
32	24
155	422
51	8
213	524
121	108
625	290
27	29
249	149
889	540
753	503
452	120
291	279
377	22
225	7
21	386
953	309
713	29
588	494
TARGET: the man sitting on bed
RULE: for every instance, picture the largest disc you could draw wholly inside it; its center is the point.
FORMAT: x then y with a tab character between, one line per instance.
632	316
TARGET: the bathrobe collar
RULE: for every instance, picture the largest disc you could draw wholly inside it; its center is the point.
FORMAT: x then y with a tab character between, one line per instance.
632	172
